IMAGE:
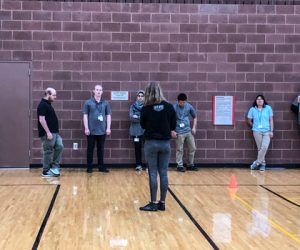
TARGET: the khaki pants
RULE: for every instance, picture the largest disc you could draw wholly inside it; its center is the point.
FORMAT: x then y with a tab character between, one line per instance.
262	140
181	138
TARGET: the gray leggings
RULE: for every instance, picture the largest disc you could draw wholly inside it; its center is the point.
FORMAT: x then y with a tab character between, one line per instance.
157	154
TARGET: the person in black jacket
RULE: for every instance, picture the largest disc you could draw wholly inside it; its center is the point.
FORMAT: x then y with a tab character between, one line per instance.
295	107
158	118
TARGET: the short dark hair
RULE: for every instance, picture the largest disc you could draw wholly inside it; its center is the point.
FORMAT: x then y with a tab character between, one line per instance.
262	97
182	97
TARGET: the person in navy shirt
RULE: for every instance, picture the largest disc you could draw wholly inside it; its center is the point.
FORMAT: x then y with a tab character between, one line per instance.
260	119
97	123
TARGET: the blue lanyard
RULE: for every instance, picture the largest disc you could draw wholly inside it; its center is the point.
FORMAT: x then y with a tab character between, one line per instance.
260	115
181	117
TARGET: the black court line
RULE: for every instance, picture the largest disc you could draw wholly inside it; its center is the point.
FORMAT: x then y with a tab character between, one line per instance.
40	233
211	242
280	196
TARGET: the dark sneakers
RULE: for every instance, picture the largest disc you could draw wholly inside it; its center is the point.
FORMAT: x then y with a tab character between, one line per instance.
180	169
151	207
191	168
161	206
188	168
103	169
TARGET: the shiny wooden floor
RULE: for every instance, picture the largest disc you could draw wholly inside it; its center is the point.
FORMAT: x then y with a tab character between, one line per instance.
101	211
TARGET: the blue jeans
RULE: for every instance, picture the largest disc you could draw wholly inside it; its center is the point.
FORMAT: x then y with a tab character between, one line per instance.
157	154
52	151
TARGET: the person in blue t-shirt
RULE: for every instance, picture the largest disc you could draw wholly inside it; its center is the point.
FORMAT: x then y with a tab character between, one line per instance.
260	119
185	133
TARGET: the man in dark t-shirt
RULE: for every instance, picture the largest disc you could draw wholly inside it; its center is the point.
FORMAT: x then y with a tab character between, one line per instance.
49	134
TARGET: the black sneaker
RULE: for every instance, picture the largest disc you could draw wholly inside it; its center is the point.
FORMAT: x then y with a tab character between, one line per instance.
161	206
89	170
104	170
180	169
151	207
192	168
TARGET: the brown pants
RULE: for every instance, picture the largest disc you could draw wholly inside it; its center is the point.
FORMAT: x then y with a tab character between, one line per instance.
262	140
181	138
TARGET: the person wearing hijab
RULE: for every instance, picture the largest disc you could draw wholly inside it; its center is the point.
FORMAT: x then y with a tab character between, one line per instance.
135	130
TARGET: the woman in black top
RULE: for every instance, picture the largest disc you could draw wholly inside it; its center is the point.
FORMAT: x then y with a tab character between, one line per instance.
158	118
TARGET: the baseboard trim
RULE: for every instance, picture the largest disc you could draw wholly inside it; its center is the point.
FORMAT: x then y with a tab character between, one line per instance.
173	165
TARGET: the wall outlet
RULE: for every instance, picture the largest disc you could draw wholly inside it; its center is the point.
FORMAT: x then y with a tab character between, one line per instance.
75	146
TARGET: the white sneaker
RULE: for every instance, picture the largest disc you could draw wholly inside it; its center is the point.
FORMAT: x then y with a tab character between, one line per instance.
254	166
139	168
55	170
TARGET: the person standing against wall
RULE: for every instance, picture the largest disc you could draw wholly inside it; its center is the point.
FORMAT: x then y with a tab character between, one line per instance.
49	134
158	118
97	122
260	119
185	133
135	130
295	107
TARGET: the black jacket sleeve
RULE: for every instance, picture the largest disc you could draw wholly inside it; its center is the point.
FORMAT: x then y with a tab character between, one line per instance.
142	118
173	118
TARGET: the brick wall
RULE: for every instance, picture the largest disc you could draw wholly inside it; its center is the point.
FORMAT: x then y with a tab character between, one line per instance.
203	50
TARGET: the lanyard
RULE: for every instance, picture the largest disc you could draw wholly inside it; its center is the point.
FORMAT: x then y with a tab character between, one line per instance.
181	117
260	115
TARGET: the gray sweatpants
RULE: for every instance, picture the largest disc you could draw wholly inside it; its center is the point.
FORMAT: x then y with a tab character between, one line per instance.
52	151
157	154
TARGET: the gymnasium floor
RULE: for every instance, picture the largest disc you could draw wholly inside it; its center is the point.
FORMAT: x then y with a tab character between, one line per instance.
208	209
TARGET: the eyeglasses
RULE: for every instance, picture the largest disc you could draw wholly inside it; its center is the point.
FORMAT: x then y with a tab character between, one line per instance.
140	95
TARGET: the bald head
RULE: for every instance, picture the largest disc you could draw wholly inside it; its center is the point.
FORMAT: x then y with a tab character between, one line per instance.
50	94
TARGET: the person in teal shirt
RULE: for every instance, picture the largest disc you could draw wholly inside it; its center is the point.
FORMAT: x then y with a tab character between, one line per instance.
260	119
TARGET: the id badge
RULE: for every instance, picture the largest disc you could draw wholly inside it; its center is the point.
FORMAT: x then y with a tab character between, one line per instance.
136	139
260	126
100	118
181	125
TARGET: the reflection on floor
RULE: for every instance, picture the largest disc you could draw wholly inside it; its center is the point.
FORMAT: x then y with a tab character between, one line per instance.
211	208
